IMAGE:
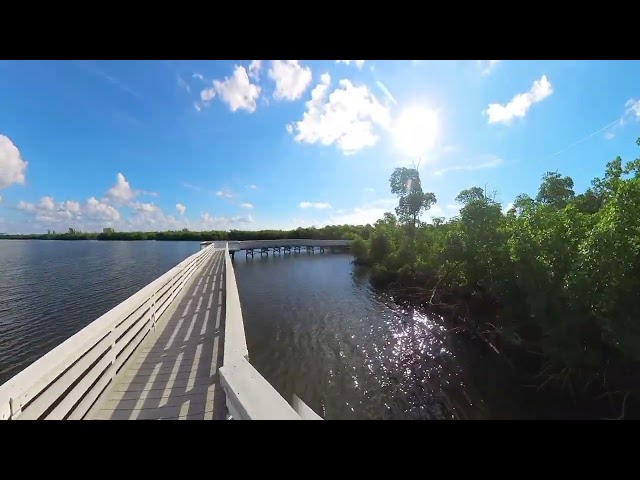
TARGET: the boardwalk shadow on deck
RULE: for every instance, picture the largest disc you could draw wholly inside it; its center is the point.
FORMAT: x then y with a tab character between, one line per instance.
175	373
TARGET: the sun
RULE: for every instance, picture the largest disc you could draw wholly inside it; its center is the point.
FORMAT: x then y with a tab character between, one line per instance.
415	131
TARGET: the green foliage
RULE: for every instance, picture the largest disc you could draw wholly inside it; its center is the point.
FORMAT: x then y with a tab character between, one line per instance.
557	275
360	251
405	183
555	190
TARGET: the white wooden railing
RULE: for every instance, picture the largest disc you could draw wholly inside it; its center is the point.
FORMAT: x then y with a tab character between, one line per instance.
249	395
66	382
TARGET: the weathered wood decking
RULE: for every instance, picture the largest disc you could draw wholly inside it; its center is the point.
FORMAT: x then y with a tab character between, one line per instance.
174	372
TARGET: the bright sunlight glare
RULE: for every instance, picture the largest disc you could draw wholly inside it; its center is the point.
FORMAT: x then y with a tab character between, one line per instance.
415	130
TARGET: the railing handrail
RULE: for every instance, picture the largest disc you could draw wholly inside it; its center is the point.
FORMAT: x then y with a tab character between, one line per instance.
249	396
235	342
117	325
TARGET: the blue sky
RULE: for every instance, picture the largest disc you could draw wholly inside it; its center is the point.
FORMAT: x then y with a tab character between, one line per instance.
248	144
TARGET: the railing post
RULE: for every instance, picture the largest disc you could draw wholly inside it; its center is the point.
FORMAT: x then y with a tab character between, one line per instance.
12	412
153	311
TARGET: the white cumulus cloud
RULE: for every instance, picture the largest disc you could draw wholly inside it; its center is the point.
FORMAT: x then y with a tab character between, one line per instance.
12	166
62	215
145	207
101	210
246	205
180	208
121	192
254	69
633	108
520	104
291	78
347	117
238	91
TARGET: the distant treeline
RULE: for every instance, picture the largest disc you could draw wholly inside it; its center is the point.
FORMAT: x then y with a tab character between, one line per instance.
330	232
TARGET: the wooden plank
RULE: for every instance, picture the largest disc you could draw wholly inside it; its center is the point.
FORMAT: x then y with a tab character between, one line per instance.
162	377
158	393
185	383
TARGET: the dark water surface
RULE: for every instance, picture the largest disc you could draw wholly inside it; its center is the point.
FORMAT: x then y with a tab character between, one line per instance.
51	289
316	328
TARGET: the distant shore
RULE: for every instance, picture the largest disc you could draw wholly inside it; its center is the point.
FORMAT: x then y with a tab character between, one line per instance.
332	232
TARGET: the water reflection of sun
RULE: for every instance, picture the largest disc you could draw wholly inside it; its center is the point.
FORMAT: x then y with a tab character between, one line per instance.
413	365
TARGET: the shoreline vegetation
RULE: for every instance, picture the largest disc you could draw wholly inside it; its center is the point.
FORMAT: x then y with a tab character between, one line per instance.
330	232
551	284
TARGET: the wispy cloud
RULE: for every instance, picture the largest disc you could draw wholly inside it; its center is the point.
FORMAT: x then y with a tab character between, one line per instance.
246	205
92	68
487	66
584	139
386	91
631	113
252	186
147	192
191	186
183	84
318	205
357	63
478	163
224	194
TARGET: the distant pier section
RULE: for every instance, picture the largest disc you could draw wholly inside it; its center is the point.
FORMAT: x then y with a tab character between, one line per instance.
282	246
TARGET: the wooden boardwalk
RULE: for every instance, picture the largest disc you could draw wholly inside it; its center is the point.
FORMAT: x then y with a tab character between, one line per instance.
174	372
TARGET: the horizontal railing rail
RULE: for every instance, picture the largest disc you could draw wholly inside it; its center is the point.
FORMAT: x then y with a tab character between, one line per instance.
249	396
235	342
68	380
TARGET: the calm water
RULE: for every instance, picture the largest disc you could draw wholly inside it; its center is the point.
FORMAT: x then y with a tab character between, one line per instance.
51	289
314	326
